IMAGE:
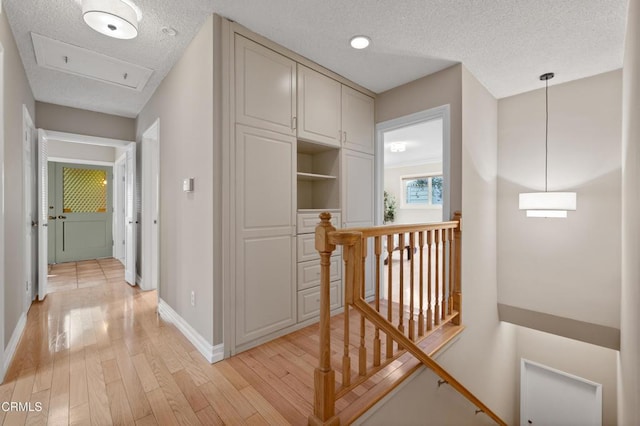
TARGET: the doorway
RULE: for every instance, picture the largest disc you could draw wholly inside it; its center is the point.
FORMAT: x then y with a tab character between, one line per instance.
413	168
126	148
412	181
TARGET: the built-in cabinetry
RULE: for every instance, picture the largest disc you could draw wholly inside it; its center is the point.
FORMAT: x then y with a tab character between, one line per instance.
303	145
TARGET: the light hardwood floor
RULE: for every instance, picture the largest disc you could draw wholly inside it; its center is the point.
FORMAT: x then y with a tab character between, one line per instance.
101	355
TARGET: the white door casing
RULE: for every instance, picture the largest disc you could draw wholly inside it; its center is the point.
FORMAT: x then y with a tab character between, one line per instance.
119	205
43	213
150	206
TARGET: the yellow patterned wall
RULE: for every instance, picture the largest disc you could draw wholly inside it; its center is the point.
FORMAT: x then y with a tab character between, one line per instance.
84	190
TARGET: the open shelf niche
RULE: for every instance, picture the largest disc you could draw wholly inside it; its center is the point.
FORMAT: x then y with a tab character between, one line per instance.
318	180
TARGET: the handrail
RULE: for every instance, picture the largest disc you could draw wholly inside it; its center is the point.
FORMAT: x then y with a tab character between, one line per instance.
440	237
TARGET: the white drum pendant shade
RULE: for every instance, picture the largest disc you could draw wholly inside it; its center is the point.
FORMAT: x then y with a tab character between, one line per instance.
547	204
113	18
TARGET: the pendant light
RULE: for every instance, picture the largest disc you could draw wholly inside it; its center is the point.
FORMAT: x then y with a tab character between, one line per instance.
113	18
547	204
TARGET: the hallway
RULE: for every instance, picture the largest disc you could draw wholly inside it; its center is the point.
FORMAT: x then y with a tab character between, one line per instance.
86	273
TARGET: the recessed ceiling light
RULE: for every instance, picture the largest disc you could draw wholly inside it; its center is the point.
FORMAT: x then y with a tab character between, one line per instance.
113	18
170	31
360	42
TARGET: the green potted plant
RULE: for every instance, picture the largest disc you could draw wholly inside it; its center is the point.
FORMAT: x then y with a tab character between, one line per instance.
389	207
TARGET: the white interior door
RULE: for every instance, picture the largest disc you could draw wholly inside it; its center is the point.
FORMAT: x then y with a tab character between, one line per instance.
30	216
131	213
150	206
43	213
119	205
553	397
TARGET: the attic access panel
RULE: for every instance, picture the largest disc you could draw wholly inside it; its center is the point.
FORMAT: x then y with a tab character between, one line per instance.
60	56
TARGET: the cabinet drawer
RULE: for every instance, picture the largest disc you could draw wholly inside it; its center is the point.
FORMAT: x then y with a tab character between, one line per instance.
307	248
307	222
309	272
309	300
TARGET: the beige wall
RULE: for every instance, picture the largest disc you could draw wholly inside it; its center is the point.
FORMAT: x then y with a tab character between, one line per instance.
629	365
441	88
184	102
72	120
581	359
564	267
483	358
79	151
393	185
16	93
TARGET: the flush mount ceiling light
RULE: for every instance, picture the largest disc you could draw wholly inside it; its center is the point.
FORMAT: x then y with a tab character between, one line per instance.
113	18
547	204
398	147
360	42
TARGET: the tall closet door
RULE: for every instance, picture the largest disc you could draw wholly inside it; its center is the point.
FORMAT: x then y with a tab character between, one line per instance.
357	201
265	83
265	221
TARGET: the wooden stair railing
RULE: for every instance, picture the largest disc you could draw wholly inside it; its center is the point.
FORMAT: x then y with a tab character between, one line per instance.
437	290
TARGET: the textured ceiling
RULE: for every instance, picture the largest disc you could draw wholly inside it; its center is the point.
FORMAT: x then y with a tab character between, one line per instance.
506	44
62	20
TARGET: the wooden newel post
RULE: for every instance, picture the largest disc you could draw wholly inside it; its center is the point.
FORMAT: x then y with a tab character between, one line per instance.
457	292
324	375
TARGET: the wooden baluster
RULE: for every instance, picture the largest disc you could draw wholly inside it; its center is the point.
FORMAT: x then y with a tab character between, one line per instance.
457	294
429	274
389	291
421	315
362	364
445	257
412	325
324	375
348	301
436	313
401	288
376	337
450	304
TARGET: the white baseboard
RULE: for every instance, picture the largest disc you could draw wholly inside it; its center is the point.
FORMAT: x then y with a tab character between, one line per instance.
13	343
210	352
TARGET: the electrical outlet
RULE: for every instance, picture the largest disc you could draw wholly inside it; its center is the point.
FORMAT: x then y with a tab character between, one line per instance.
193	298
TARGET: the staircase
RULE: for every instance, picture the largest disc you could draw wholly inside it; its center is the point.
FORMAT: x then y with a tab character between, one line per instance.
384	340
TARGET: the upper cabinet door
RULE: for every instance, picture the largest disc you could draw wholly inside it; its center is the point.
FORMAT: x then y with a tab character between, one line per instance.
265	87
357	120
318	107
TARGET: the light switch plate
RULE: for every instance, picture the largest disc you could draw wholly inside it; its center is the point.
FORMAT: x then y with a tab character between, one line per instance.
187	185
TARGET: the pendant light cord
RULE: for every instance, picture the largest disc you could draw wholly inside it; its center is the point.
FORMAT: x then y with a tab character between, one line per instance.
546	134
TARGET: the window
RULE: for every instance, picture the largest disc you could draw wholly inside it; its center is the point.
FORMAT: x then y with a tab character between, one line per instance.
422	191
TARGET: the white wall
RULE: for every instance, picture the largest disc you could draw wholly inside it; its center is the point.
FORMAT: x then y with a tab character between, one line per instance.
393	185
79	151
629	366
565	267
16	93
184	102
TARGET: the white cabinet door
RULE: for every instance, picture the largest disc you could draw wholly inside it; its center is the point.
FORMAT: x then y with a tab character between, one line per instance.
357	120
265	245
319	101
357	188
265	87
